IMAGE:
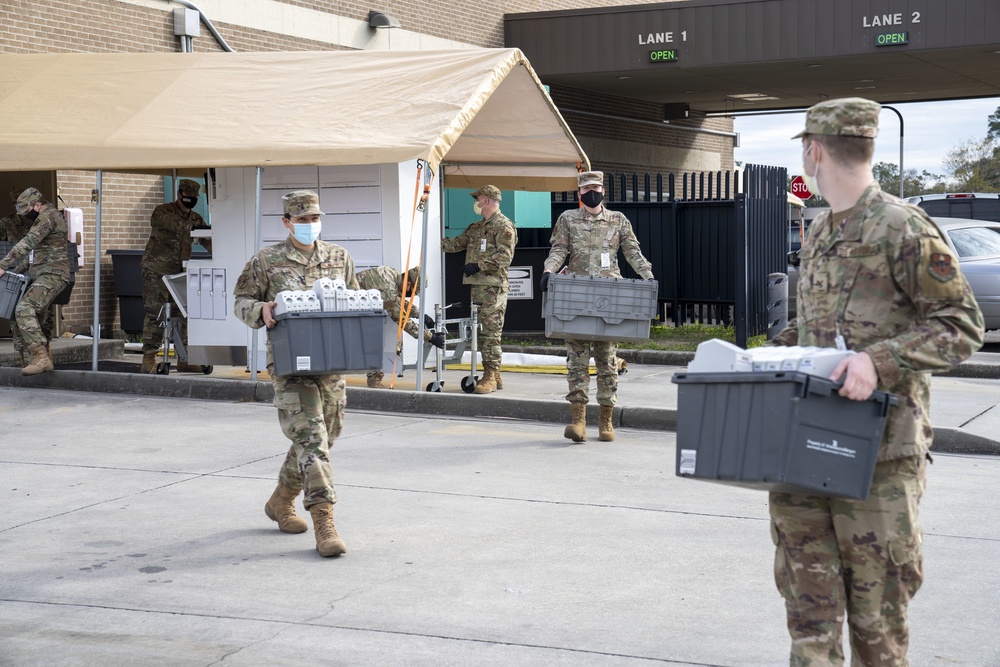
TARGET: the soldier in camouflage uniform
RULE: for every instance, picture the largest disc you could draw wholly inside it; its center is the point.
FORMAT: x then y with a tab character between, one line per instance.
489	248
587	240
389	282
12	229
877	277
49	274
168	247
310	407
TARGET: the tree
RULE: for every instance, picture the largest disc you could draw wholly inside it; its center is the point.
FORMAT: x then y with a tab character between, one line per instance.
914	183
975	165
993	125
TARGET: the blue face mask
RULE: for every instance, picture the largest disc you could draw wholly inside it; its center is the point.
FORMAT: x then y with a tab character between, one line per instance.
306	233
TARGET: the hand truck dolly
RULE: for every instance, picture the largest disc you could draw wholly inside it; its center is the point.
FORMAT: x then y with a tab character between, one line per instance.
173	335
467	335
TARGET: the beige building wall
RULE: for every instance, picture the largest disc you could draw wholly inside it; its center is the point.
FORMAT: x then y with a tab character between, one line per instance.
632	140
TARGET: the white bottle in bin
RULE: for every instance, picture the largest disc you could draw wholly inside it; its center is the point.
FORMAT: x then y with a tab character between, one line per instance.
325	290
376	299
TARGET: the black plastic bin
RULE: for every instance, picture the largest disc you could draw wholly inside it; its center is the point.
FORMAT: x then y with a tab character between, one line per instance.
778	431
127	267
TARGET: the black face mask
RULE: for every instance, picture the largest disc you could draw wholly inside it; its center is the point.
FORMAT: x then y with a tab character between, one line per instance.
31	215
189	202
592	198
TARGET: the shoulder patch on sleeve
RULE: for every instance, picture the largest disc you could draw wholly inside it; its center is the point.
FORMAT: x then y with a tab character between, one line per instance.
242	281
941	266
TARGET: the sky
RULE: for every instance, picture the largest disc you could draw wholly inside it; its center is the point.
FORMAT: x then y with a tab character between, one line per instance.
930	130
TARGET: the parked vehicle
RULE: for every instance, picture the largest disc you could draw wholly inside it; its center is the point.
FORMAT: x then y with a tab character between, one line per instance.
974	205
976	243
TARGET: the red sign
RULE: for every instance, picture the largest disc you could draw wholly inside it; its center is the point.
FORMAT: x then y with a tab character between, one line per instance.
799	188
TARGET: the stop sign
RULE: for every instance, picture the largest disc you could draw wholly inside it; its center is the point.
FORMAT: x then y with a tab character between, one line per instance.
799	188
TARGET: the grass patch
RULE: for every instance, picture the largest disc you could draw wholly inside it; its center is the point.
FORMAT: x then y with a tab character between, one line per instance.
681	339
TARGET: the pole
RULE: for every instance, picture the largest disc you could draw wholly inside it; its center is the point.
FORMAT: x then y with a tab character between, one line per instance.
256	245
97	272
423	281
896	111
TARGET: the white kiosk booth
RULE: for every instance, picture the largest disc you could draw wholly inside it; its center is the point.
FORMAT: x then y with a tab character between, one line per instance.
353	125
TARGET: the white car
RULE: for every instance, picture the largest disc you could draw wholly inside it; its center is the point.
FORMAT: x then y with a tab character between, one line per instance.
977	245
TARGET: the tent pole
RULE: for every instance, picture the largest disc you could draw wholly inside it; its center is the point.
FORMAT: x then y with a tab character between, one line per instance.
423	283
256	246
96	331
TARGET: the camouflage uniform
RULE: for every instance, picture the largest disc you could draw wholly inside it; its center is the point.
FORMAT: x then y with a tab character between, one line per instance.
12	229
881	276
582	241
168	247
310	407
49	272
388	281
490	244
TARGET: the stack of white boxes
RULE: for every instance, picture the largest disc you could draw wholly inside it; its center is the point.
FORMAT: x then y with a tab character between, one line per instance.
328	296
719	356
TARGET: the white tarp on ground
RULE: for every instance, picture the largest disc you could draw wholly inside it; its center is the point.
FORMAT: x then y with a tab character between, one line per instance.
483	113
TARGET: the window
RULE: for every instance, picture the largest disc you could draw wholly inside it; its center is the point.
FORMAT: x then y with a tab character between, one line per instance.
976	241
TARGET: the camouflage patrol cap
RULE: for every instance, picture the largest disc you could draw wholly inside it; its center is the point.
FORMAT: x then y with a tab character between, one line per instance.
188	187
301	202
845	117
590	178
491	191
27	199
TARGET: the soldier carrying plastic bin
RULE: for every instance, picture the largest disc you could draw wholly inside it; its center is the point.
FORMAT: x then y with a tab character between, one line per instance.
878	278
13	228
49	274
389	282
310	407
587	241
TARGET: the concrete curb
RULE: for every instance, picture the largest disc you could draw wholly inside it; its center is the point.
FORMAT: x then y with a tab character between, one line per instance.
70	354
407	402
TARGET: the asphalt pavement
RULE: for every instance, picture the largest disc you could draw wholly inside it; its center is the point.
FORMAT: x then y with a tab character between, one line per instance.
133	533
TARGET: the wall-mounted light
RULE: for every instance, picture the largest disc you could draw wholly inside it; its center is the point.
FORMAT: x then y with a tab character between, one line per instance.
382	20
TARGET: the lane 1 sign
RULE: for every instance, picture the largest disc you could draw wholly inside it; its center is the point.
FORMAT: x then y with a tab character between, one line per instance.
799	188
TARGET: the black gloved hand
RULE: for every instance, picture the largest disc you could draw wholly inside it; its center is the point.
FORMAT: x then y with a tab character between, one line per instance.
543	284
428	322
437	340
471	269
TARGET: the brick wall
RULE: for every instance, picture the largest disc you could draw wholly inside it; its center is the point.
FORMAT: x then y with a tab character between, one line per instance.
93	26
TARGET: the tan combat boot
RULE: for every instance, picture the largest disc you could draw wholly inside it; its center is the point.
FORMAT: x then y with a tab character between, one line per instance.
577	431
375	381
328	542
148	363
487	384
40	361
604	427
185	367
280	507
499	380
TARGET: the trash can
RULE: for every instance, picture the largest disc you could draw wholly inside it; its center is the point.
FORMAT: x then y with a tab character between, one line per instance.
127	268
